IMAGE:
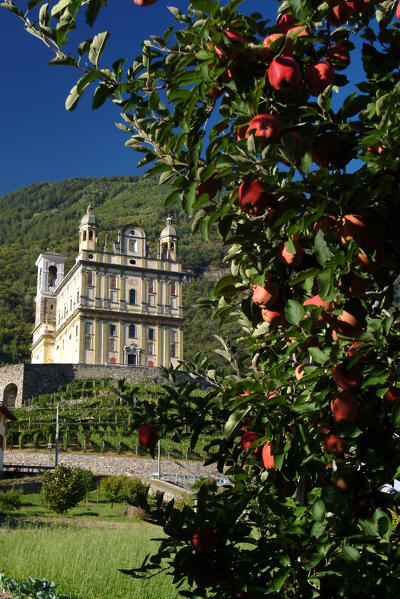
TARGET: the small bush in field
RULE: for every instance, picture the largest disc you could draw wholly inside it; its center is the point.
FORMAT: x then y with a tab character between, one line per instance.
138	492
206	481
117	489
62	489
10	500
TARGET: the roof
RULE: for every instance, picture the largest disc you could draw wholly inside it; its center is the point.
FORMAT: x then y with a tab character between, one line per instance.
6	413
169	230
89	218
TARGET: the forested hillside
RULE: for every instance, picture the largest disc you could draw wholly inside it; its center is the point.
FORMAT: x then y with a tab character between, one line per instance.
48	214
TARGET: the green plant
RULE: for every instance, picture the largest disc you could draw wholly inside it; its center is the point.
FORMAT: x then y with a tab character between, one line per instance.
34	588
137	492
204	481
63	488
10	499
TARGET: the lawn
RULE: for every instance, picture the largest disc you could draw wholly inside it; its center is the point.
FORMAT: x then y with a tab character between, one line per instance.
81	553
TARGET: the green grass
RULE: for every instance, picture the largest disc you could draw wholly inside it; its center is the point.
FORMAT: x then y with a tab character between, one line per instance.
81	552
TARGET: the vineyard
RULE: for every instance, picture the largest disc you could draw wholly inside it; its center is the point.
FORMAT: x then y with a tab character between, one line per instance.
97	416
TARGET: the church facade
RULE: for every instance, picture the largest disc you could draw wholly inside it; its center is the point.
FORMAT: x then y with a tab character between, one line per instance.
115	306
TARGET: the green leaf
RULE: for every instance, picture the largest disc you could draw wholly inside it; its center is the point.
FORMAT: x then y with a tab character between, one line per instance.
300	9
97	46
396	414
93	10
321	248
318	529
208	6
233	422
294	312
59	7
305	162
350	554
320	356
318	510
303	275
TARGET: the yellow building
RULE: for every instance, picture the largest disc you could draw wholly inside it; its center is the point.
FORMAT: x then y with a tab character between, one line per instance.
116	306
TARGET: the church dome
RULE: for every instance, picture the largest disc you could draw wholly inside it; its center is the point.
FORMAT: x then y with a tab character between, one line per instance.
89	218
169	230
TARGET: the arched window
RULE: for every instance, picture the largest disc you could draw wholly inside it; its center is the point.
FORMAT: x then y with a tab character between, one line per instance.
84	236
132	331
113	282
132	296
90	279
52	276
90	235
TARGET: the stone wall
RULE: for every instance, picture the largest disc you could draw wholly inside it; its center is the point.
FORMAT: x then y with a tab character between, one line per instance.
34	379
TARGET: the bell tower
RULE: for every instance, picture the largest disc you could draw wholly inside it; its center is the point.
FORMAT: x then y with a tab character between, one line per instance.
50	267
88	232
168	244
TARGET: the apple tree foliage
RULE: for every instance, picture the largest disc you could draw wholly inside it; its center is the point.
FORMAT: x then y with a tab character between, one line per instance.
304	514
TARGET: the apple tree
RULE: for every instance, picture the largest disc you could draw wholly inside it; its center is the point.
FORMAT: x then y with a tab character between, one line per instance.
260	135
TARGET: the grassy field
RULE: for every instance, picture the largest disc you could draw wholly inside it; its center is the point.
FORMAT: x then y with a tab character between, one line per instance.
81	553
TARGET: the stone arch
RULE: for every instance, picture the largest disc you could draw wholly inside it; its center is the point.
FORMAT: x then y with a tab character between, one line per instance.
10	395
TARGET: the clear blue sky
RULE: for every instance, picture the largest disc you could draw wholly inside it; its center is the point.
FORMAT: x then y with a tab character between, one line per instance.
40	140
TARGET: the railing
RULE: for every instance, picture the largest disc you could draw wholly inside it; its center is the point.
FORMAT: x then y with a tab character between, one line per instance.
25	468
186	478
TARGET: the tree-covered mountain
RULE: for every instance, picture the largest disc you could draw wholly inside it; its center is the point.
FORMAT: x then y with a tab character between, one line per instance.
42	215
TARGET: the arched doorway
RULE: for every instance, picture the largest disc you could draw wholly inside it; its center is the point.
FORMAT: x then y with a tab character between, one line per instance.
10	395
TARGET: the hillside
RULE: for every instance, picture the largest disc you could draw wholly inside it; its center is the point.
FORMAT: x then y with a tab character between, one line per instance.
48	214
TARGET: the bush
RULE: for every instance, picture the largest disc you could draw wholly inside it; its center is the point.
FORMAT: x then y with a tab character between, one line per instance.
34	588
117	489
10	500
205	481
63	488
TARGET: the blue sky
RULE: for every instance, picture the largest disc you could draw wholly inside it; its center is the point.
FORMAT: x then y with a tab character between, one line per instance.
40	140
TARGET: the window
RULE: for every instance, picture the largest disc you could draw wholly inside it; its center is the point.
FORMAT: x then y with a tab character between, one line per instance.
76	330
112	330
174	303
84	236
90	293
88	328
90	280
132	245
112	345
151	334
173	289
113	282
114	296
132	296
151	287
88	342
132	331
52	276
90	235
152	300
150	349
173	350
70	304
77	297
173	336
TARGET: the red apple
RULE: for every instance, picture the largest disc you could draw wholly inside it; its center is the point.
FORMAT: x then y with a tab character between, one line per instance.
291	259
352	226
316	300
346	324
318	76
344	407
284	74
267	295
349	379
338	56
248	438
267	457
144	2
210	187
265	126
300	31
274	37
275	314
147	434
236	39
285	21
398	10
392	394
333	445
341	13
326	150
299	371
253	198
324	223
205	541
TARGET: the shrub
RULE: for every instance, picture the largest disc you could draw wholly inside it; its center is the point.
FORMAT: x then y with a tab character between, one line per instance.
34	588
205	481
138	492
62	489
117	489
10	500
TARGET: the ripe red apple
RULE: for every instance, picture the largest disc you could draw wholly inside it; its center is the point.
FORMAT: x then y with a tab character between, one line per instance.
316	300
267	457
318	76
300	31
324	223
392	394
210	187
253	198
346	324
333	445
299	371
205	541
372	262
284	74
248	438
285	21
144	2
267	295
274	37
236	39
344	406
352	226
291	259
266	127
147	434
341	13
349	379
398	10
275	314
338	56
